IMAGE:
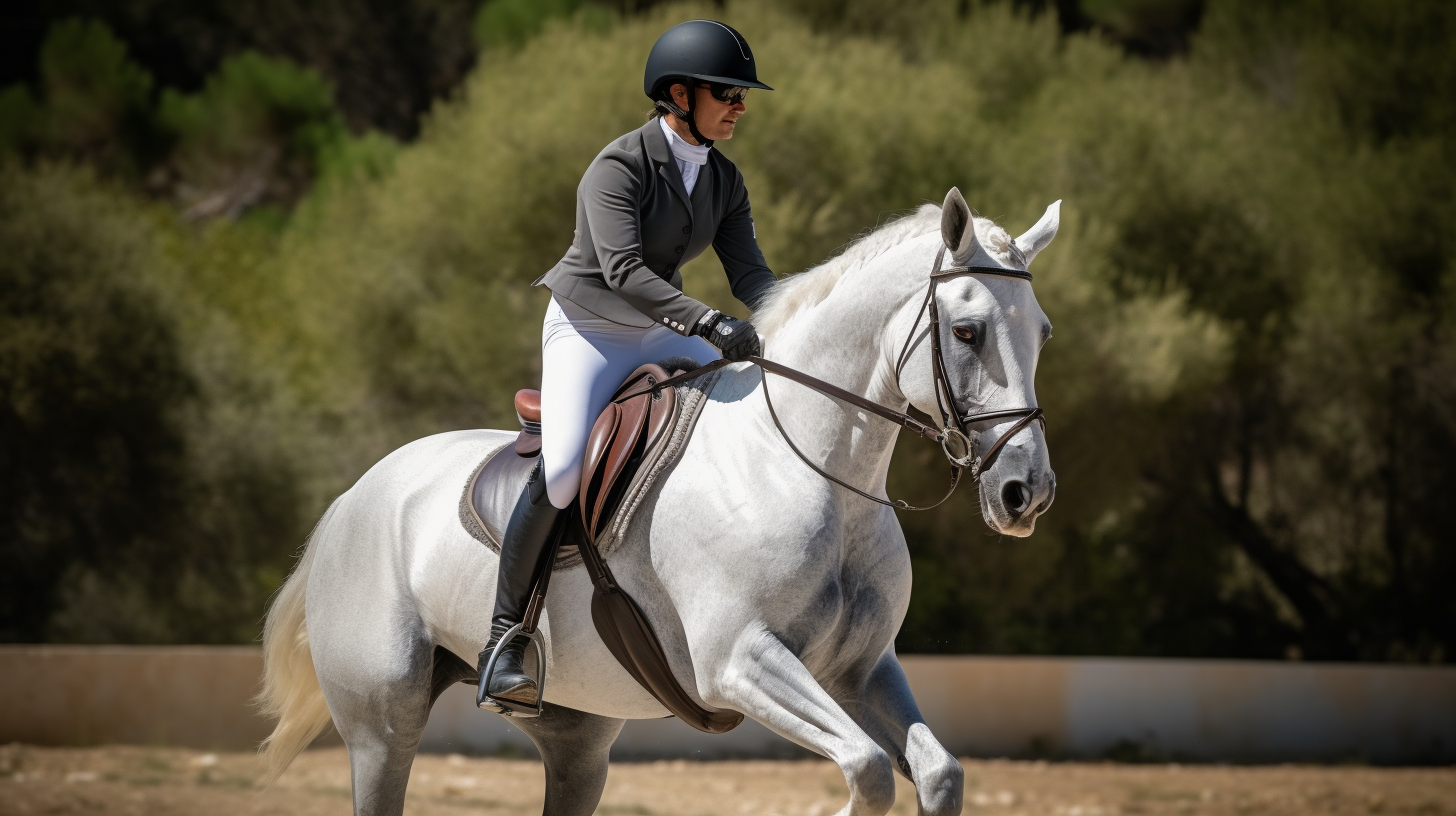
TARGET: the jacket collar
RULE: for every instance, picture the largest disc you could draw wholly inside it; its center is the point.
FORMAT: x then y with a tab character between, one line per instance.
656	143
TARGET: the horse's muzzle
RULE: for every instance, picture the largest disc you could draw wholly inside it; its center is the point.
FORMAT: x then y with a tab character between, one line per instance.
1018	488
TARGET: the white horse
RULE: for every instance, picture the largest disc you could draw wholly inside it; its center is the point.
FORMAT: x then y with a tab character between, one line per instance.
774	593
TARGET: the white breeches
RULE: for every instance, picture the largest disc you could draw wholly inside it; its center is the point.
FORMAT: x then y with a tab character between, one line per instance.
583	360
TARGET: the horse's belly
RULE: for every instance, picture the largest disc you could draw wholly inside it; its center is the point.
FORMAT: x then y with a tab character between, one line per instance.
580	671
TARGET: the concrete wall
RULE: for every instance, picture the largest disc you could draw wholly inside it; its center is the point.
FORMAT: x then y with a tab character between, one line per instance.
91	695
977	706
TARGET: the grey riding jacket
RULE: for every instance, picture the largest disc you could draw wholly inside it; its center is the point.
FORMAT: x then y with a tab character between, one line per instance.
636	226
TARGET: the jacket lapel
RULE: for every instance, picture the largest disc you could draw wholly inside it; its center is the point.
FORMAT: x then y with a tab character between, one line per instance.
661	155
702	208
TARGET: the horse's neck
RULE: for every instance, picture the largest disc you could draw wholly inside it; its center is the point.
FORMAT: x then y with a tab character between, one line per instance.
844	340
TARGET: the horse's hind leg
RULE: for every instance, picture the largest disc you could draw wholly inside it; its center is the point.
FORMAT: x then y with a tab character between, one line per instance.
887	711
380	701
574	747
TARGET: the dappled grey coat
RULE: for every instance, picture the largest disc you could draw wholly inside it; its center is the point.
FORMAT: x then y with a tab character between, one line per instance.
636	227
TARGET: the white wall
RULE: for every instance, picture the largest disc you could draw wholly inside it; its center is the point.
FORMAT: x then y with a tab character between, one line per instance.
1232	711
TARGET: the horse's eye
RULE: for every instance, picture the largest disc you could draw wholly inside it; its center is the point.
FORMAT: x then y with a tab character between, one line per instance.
969	333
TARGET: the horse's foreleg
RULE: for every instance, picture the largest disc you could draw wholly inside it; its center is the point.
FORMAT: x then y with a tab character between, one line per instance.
887	711
574	746
766	681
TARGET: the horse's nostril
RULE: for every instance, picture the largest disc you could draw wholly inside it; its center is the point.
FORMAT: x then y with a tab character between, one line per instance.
1017	497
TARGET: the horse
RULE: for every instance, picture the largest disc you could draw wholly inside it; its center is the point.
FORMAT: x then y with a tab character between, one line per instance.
774	592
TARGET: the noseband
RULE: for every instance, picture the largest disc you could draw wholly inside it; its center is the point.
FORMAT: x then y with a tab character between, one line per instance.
956	439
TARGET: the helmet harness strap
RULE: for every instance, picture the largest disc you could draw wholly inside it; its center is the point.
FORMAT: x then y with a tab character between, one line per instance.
687	115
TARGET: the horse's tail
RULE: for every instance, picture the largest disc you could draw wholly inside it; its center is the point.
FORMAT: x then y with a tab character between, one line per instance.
291	691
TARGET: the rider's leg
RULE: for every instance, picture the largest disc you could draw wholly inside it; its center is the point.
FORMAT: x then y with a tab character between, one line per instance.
582	363
583	360
886	710
521	551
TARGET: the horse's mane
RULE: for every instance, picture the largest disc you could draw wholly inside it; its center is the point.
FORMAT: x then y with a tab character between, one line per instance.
796	293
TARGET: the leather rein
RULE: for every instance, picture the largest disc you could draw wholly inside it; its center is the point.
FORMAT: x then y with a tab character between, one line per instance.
956	442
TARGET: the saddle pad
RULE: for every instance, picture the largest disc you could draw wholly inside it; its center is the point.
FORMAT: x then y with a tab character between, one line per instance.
495	485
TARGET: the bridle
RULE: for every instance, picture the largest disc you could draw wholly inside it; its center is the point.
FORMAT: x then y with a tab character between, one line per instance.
957	441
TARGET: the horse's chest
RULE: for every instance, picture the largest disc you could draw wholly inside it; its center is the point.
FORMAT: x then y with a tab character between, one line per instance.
855	609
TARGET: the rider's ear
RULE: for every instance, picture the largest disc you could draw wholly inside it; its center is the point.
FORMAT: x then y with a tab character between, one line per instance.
957	227
1036	239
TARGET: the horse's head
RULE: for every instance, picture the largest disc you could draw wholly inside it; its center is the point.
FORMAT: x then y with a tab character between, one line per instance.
991	331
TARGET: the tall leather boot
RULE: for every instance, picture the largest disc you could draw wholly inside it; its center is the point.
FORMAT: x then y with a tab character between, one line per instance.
525	540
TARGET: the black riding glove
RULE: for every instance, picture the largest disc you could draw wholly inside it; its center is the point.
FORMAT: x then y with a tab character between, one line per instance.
737	339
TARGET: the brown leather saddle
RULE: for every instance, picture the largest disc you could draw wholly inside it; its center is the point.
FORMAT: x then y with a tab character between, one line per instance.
639	427
631	425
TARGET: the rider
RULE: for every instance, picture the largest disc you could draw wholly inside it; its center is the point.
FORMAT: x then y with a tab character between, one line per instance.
651	201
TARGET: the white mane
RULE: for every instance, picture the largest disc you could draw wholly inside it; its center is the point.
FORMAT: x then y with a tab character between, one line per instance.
796	293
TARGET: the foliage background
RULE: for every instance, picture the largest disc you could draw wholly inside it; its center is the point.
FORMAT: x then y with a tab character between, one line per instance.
248	248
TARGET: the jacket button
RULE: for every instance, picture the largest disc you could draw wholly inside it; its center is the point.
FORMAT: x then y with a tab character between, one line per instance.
687	230
679	250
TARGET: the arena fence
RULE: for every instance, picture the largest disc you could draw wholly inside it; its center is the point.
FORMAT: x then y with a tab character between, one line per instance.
1187	710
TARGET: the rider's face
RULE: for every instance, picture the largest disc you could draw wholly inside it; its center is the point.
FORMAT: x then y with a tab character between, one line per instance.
716	120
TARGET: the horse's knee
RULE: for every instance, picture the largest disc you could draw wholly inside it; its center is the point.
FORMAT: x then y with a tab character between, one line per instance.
871	778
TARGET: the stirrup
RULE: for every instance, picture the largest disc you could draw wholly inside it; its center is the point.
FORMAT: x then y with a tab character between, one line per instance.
511	708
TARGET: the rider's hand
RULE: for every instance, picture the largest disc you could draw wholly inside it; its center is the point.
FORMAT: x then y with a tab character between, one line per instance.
737	339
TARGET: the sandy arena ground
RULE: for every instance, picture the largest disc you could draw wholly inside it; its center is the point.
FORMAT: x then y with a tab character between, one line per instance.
162	782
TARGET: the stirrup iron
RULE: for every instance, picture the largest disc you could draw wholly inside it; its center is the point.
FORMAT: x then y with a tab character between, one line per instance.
511	708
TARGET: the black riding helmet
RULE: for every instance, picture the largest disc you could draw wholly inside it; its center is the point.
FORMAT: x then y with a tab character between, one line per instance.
704	50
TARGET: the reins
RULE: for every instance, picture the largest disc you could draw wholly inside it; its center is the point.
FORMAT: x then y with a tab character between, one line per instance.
949	436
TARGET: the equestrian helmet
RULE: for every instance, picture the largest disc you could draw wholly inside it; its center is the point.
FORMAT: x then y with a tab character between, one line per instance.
705	50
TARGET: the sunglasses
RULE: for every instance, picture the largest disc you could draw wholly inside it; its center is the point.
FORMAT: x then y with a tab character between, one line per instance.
728	94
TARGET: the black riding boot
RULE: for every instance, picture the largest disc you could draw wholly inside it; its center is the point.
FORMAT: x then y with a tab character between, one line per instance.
525	539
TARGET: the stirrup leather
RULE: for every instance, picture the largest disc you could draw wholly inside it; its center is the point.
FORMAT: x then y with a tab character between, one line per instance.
511	708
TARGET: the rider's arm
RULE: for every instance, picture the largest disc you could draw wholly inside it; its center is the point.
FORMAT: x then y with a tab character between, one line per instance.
611	194
737	246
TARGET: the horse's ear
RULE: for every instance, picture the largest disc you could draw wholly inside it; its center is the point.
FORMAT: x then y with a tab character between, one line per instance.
957	228
1036	239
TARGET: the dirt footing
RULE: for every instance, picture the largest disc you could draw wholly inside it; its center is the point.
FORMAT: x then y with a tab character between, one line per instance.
163	782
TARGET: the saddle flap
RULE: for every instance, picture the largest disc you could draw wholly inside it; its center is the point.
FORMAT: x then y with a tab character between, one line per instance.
629	426
598	445
631	422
